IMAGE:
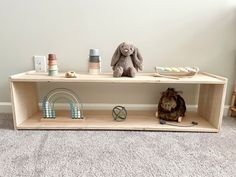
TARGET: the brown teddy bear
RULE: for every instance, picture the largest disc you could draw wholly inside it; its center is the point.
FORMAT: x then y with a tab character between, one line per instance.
171	106
126	60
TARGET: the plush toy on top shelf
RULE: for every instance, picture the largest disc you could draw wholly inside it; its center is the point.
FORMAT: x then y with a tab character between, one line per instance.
126	60
171	106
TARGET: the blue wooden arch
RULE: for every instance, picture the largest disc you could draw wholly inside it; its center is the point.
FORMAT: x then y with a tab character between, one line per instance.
53	96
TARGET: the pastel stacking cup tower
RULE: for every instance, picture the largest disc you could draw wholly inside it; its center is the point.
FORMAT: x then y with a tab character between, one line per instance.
94	62
52	65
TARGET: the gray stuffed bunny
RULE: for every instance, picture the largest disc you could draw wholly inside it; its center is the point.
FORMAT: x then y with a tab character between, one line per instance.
126	60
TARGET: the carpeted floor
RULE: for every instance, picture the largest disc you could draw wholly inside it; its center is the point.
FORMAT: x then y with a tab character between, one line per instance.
116	153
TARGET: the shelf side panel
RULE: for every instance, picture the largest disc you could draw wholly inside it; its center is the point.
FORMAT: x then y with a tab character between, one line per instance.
211	103
24	101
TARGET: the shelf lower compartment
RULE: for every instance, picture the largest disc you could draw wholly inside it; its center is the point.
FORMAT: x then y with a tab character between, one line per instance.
102	120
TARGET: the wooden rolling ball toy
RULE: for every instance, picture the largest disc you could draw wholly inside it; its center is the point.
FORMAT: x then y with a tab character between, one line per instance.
119	113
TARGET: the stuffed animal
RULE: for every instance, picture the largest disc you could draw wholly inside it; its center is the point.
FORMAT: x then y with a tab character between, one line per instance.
171	106
126	60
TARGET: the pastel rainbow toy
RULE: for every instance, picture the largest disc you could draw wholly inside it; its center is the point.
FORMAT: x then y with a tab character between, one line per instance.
61	94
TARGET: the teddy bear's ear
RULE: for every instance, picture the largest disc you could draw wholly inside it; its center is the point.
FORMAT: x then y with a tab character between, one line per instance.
116	56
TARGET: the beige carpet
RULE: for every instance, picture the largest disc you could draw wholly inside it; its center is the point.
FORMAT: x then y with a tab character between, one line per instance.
117	153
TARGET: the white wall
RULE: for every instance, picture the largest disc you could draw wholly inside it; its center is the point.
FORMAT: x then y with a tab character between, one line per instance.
168	33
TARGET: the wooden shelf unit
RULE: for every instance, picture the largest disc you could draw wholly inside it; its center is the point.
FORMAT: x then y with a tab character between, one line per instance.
27	115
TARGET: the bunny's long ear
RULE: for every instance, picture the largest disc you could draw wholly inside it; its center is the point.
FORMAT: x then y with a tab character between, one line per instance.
116	56
137	59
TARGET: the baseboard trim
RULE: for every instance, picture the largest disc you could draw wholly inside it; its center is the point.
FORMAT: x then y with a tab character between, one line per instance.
5	107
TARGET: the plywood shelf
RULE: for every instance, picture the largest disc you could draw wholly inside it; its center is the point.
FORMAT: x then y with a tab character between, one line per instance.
27	115
136	120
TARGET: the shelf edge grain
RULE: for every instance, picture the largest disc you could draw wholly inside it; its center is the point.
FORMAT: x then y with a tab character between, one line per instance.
141	78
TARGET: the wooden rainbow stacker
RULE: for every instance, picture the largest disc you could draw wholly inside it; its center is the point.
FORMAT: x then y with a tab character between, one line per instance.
27	113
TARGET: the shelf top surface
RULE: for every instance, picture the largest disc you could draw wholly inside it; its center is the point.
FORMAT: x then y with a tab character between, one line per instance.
201	78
